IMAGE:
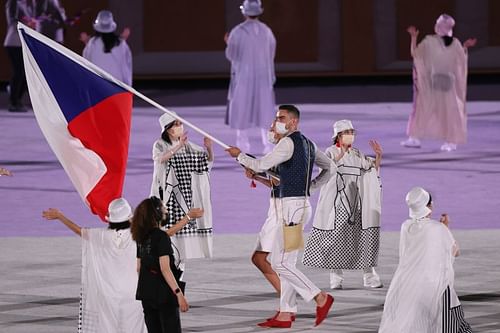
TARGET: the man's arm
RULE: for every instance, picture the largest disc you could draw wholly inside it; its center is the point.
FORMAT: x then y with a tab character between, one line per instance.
282	152
327	167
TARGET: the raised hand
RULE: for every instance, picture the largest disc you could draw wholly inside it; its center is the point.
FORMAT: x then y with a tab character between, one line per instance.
207	142
51	214
183	139
444	219
5	172
412	31
471	42
377	148
125	33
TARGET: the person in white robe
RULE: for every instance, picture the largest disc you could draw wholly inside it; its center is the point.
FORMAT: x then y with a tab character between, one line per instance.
181	180
439	87
108	50
109	276
421	297
346	228
251	47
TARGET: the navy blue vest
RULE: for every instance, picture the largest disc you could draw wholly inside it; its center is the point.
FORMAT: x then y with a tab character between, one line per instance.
293	173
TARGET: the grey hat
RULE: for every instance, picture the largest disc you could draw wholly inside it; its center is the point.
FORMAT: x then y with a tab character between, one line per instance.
119	211
340	126
417	200
251	8
104	22
166	119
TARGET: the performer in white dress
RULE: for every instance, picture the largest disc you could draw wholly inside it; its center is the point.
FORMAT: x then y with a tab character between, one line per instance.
108	50
109	275
421	297
439	87
346	229
250	49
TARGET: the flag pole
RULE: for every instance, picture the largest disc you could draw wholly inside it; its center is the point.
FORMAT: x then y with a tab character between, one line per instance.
102	73
184	121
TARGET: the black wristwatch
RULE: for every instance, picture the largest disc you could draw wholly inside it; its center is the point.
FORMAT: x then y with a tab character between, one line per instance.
176	291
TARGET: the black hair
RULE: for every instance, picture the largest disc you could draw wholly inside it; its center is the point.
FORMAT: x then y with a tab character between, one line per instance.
157	209
430	200
119	226
291	109
447	40
164	134
109	39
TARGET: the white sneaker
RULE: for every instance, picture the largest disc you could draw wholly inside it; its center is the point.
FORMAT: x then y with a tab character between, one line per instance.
336	279
411	143
448	147
372	280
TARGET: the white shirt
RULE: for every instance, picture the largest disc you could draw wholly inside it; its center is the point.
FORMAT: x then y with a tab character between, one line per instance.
282	152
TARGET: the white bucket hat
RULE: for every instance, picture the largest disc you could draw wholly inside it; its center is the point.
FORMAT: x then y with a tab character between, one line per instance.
104	22
417	200
251	8
119	211
166	119
444	25
340	126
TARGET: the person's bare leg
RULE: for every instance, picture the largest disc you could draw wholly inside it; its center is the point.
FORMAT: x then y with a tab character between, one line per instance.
259	259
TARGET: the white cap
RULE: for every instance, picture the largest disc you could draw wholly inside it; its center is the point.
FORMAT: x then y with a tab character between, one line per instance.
104	22
119	211
417	200
444	25
166	119
340	126
251	8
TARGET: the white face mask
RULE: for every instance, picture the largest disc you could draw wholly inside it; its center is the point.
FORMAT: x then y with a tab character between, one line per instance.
177	131
271	138
347	139
280	128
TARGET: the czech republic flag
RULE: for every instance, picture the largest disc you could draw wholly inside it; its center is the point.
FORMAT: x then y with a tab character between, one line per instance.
85	115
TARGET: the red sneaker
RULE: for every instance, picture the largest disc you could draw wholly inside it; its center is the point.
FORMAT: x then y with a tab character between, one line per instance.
277	314
276	323
322	311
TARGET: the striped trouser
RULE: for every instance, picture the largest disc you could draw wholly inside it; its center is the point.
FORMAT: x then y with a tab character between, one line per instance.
453	318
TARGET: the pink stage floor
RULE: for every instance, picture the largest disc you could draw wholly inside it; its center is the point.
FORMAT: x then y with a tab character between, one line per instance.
465	183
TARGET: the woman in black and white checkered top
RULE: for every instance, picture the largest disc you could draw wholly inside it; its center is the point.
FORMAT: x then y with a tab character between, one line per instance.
181	181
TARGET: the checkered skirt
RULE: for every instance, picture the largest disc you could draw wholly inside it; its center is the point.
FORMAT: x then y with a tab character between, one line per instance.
347	246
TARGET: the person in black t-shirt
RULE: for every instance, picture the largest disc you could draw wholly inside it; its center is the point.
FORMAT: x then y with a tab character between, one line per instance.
158	286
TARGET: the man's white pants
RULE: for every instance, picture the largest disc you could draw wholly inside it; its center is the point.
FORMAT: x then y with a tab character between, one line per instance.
293	281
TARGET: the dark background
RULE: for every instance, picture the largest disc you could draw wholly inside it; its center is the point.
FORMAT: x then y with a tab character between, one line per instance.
327	50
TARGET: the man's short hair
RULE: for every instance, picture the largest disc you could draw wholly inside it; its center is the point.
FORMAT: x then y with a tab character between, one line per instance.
291	109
